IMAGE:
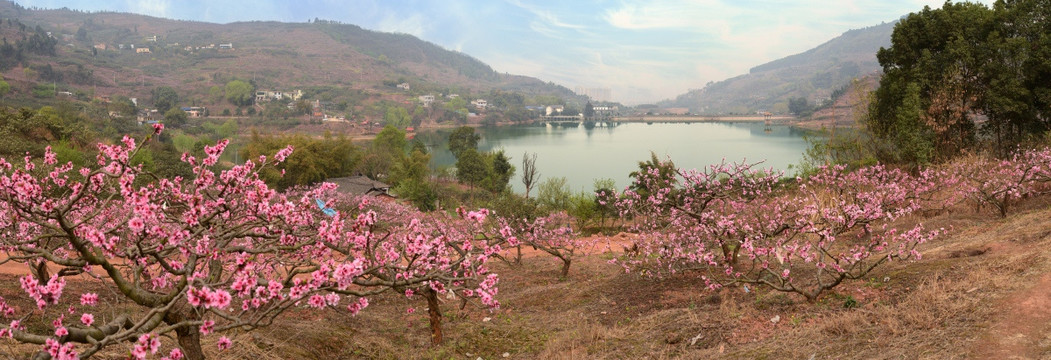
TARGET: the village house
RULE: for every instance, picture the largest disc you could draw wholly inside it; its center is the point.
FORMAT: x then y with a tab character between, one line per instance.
480	104
195	111
319	111
604	111
404	86
148	116
142	50
427	100
554	110
270	95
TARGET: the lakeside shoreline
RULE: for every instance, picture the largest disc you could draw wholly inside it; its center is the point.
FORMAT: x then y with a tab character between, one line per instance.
782	120
702	118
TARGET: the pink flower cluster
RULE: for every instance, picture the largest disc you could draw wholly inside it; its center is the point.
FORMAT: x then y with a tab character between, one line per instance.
43	294
60	351
89	299
208	298
147	343
478	216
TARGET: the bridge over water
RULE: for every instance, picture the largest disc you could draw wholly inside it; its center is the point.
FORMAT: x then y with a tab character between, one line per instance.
669	119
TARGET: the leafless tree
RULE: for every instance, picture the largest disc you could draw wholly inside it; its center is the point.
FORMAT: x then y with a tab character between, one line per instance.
529	173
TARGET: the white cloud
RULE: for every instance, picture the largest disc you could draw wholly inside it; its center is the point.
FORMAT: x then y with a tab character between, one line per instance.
158	8
545	16
412	24
670	14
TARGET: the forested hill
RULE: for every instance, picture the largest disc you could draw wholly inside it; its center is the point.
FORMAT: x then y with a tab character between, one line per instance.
814	75
128	54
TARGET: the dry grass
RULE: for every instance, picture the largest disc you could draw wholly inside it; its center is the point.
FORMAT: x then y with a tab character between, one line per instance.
951	304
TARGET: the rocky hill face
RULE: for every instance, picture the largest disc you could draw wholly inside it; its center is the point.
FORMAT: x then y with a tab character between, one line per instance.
814	75
129	54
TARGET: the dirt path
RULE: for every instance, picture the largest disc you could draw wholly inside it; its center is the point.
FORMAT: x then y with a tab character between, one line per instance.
1024	331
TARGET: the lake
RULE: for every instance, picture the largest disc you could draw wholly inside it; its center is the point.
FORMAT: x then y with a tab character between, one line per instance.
582	154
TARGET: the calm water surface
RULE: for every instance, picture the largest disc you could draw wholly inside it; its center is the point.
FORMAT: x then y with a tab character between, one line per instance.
582	154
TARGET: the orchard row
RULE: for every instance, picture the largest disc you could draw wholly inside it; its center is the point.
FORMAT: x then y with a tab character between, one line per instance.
222	251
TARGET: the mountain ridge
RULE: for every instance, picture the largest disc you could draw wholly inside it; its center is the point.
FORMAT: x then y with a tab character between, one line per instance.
813	74
185	55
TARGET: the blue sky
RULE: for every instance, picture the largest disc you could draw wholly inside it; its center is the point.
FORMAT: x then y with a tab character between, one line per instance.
643	50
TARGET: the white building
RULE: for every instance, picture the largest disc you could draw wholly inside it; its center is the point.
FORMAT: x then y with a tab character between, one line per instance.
427	100
554	110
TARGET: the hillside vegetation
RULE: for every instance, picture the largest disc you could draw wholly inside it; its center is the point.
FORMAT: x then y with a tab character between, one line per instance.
109	51
812	75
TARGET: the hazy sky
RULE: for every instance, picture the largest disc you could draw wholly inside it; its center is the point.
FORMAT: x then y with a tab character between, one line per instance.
643	50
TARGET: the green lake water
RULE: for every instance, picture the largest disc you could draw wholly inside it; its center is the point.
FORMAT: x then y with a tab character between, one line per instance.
582	154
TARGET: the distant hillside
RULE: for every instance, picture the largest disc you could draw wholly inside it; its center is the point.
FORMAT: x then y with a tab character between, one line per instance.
109	52
813	74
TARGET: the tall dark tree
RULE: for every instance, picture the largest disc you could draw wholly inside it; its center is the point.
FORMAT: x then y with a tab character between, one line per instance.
386	150
471	168
931	85
175	118
1017	96
410	179
165	98
499	172
240	93
463	139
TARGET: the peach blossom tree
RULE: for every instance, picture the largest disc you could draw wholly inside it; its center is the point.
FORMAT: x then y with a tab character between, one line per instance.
737	225
218	252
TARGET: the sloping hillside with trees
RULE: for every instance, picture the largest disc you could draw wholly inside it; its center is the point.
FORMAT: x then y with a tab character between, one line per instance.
812	76
111	54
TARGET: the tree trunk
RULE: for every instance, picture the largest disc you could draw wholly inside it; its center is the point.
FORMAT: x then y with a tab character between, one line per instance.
565	267
190	342
189	337
40	270
436	316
